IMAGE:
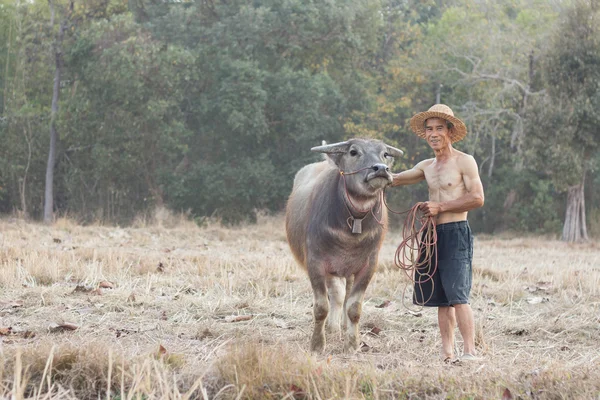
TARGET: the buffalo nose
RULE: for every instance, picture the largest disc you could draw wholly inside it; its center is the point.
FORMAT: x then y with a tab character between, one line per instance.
378	167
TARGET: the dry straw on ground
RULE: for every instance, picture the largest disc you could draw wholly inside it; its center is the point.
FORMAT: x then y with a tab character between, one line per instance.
177	311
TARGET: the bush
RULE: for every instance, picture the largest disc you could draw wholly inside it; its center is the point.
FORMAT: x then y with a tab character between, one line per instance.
231	191
519	201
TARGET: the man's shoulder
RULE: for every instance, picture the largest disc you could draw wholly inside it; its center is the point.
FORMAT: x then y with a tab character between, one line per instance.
464	158
460	155
466	163
425	163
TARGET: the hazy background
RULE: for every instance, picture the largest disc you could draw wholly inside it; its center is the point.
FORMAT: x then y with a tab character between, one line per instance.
210	107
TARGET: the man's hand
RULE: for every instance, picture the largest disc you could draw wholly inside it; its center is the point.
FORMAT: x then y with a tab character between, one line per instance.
430	208
410	176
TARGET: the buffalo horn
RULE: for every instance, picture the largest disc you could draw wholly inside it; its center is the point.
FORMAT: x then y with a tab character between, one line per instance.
340	147
394	152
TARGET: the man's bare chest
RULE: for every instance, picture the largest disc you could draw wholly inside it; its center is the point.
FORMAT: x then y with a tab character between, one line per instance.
444	177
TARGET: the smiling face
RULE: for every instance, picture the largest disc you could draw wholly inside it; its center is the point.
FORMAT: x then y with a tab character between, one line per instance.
437	133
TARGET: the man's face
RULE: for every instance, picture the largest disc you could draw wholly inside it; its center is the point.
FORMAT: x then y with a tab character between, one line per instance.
437	133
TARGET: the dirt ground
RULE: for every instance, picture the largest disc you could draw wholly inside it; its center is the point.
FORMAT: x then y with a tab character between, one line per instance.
171	310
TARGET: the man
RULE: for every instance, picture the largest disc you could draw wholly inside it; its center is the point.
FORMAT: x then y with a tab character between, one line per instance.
454	189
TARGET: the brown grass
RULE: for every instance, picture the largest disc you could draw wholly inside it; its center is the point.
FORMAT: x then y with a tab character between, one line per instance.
225	313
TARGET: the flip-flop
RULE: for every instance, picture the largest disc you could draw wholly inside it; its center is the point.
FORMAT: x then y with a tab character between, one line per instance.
470	357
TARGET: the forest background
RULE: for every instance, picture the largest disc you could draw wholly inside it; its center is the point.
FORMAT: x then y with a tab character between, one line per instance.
112	108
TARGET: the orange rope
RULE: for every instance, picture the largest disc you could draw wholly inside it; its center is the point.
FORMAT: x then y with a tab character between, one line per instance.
355	208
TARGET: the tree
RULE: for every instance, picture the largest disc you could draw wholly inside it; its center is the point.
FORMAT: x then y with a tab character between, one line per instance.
566	122
272	79
212	106
26	105
481	58
122	123
58	67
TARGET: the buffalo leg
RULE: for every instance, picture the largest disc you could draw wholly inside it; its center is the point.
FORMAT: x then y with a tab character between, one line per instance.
336	290
354	307
349	284
320	311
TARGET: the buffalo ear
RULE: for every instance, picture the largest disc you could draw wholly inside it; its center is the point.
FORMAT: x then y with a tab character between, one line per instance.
394	152
333	148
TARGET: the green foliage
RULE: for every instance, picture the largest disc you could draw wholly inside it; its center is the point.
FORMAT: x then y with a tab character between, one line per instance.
563	132
272	82
534	212
259	147
534	205
26	91
232	193
122	126
213	106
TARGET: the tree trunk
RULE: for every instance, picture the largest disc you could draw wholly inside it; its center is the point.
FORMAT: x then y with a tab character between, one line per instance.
493	156
49	192
5	95
23	184
574	229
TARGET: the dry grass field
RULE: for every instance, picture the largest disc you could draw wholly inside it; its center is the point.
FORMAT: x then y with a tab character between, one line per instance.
171	310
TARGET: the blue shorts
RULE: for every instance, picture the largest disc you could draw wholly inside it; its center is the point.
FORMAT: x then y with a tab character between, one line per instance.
451	281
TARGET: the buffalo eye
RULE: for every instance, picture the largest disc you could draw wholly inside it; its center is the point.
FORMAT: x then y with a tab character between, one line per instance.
353	153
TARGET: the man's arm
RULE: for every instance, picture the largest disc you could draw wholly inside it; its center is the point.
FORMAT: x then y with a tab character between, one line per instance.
410	176
474	198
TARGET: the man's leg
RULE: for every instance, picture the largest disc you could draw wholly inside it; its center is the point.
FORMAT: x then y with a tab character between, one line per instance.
447	322
466	325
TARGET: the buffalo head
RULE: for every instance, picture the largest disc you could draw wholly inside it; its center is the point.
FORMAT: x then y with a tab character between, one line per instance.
366	163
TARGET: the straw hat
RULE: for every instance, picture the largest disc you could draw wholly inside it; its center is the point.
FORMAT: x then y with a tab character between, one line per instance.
417	123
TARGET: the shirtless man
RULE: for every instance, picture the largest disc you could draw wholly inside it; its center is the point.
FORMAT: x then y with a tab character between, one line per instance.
454	189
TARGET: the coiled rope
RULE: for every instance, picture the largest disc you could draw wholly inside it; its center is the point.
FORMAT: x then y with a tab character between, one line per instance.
416	255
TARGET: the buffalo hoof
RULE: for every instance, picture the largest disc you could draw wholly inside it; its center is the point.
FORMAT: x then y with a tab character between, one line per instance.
350	345
334	330
317	344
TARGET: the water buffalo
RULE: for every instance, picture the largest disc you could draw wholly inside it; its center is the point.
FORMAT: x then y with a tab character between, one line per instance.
335	224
